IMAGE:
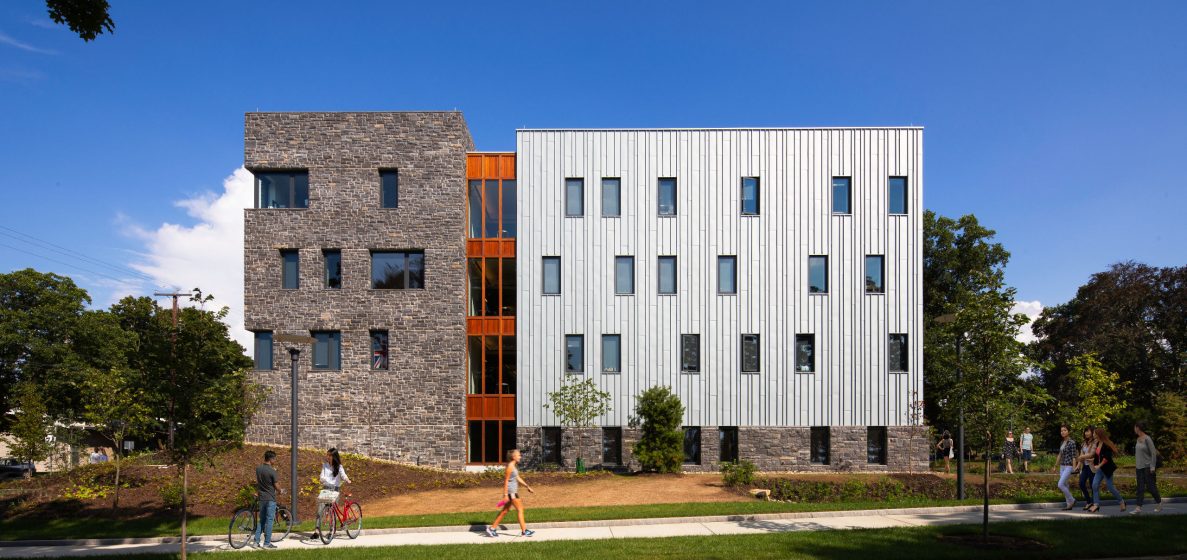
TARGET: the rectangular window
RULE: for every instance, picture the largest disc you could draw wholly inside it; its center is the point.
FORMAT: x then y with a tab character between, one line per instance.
397	270
508	289
728	439
611	197
507	384
574	353
819	445
389	188
490	365
750	196
897	354
263	350
611	353
475	208
550	445
284	189
612	446
327	350
291	269
818	274
842	195
750	353
876	445
897	195
552	275
489	440
490	287
805	353
333	276
874	273
510	202
379	350
574	197
667	275
624	275
690	353
692	445
727	274
667	196
474	358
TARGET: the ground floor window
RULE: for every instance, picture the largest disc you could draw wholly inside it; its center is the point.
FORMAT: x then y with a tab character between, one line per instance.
550	445
489	440
820	445
611	446
692	445
728	437
876	445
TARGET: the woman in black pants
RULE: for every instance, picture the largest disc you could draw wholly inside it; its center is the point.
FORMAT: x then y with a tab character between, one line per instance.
1087	455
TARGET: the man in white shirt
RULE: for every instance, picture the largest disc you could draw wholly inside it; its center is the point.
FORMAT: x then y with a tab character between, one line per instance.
1028	442
95	457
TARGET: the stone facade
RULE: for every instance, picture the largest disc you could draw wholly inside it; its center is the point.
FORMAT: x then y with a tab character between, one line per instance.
415	410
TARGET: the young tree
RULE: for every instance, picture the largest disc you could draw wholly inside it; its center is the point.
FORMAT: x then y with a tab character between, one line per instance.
578	403
28	439
660	414
1097	391
117	408
1171	409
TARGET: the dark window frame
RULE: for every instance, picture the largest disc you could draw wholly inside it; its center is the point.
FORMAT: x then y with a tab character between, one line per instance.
553	456
881	289
727	445
631	292
292	188
581	367
810	337
271	352
333	358
734	260
284	276
384	350
659	278
832	184
618	196
816	434
904	353
695	457
406	255
612	446
757	353
581	200
757	197
811	290
544	275
906	199
659	209
618	369
385	172
326	276
876	436
684	363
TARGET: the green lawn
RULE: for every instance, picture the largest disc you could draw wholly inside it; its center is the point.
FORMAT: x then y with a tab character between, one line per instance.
1087	538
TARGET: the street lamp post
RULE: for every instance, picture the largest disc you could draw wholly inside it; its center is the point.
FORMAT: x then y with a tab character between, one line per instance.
294	355
960	492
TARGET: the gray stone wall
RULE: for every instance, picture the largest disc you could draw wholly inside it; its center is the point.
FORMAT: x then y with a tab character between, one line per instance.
416	409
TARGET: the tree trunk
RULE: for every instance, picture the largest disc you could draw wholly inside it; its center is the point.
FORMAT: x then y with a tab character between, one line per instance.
985	488
185	483
115	502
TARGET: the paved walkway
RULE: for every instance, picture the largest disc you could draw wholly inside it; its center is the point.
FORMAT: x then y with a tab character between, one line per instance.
622	529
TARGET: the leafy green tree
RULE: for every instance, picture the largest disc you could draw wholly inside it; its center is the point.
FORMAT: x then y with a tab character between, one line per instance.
1171	409
659	414
87	18
116	407
1098	392
578	403
28	435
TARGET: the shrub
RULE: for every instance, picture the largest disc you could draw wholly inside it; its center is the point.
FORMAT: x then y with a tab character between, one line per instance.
661	444
739	473
171	494
246	496
1171	439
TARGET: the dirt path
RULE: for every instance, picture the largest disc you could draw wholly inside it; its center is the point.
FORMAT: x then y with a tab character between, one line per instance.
599	491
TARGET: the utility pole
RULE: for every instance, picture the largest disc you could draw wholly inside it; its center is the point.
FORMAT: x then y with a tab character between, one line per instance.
173	356
185	471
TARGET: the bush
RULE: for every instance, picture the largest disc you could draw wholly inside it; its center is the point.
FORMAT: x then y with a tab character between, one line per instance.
171	494
245	497
1171	438
739	473
661	443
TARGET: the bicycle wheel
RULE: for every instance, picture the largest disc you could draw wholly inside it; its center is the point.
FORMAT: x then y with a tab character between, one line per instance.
242	528
354	520
282	525
326	524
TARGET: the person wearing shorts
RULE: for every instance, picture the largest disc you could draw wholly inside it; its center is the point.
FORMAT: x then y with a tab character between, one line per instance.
511	482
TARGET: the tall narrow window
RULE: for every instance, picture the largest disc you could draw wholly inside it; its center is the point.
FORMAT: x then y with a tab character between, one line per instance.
282	189
490	365
898	354
819	445
490	208
805	353
333	276
508	383
397	270
667	196
818	274
876	445
897	195
474	275
552	275
263	350
727	274
842	195
751	361
690	353
550	445
667	275
508	289
389	187
490	286
875	268
612	446
379	350
475	208
510	203
611	197
624	275
474	358
574	197
574	353
327	350
727	437
291	269
611	353
750	196
692	445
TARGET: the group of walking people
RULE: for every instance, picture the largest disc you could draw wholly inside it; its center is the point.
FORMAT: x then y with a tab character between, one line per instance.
1095	458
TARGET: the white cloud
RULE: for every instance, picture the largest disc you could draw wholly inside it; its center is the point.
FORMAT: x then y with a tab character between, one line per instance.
6	39
206	255
1031	309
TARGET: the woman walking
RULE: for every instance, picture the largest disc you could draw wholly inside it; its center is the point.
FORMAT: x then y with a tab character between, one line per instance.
1104	468
511	482
1084	462
945	447
1145	456
1067	463
1009	451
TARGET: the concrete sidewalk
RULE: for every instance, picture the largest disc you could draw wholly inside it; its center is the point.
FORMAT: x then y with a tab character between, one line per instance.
623	529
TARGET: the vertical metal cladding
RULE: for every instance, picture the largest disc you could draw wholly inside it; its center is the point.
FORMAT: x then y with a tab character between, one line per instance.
852	385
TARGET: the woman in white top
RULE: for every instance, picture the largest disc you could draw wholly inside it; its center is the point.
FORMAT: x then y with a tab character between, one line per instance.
333	474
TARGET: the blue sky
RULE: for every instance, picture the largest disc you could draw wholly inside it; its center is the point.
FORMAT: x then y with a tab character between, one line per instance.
1063	125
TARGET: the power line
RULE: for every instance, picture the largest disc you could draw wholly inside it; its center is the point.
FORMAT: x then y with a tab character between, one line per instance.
66	251
72	265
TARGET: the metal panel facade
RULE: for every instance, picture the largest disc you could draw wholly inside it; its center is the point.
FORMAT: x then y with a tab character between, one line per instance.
851	385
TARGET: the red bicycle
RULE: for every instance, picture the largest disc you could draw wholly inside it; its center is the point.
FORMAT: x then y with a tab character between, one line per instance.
349	517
